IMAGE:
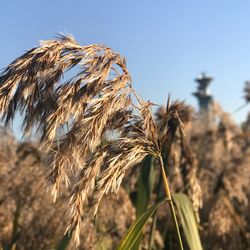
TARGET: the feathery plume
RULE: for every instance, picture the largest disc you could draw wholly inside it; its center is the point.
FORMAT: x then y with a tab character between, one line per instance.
75	114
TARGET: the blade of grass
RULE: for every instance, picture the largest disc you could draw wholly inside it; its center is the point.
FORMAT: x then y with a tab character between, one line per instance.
145	185
144	190
136	228
189	224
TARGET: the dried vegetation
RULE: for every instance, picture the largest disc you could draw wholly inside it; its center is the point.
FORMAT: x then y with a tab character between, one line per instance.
207	155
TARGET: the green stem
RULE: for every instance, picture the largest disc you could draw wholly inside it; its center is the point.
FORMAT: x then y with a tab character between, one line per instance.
170	201
165	153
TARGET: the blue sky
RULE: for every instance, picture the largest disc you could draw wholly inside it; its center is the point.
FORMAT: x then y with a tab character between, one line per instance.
166	43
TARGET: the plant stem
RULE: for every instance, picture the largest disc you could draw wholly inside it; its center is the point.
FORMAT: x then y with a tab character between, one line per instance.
165	158
170	201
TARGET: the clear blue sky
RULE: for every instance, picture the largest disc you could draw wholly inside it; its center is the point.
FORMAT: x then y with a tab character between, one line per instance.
166	43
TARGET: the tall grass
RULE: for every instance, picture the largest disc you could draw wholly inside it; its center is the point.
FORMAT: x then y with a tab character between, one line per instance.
96	100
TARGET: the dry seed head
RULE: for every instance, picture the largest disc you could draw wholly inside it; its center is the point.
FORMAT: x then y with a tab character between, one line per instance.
74	115
168	120
172	117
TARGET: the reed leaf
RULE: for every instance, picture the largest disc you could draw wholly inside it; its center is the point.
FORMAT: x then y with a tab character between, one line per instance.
188	221
136	228
145	186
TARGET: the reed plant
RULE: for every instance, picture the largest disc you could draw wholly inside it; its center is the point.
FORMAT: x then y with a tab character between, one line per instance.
72	116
